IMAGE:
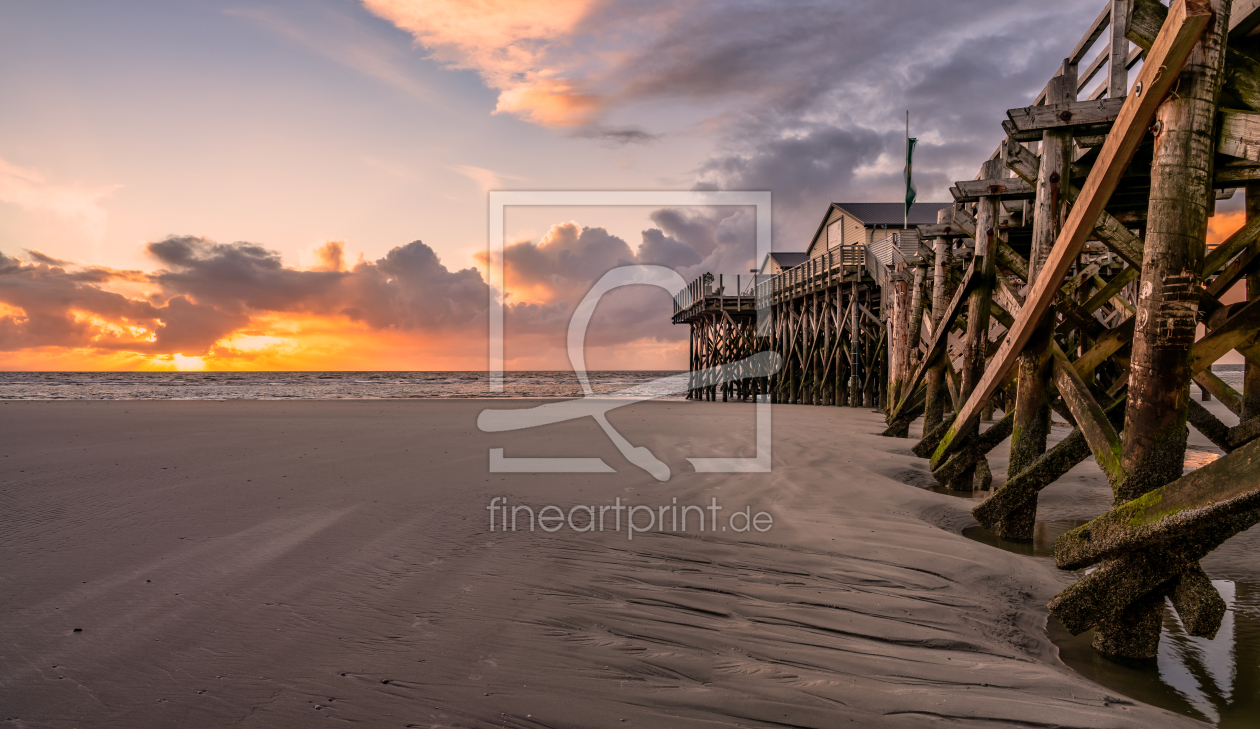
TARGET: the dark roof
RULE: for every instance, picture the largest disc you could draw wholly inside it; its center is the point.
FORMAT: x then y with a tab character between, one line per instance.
788	259
921	213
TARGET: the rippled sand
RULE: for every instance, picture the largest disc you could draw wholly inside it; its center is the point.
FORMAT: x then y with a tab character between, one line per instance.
276	563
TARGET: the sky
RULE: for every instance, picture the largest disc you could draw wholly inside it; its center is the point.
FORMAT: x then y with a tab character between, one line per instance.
303	185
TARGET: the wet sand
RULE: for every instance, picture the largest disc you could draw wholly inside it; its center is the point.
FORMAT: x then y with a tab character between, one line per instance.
301	563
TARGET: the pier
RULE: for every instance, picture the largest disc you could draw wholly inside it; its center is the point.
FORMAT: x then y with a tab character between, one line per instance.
1072	276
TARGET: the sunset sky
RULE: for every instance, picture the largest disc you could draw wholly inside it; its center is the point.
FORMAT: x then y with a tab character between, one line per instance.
302	185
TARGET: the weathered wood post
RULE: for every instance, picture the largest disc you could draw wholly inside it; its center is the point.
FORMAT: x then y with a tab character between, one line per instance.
898	328
934	378
1117	70
979	299
1251	370
918	303
1154	440
855	341
1032	406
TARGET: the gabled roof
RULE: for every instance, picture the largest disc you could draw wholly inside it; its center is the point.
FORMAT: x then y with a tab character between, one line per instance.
788	259
892	214
885	214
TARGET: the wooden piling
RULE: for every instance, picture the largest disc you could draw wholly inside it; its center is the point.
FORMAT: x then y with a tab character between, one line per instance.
1032	405
979	300
934	379
1251	369
1154	440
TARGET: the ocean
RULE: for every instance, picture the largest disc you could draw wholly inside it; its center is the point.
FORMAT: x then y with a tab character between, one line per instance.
309	385
337	385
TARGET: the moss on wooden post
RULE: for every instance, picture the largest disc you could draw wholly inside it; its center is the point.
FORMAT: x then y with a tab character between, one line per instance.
1032	408
1176	231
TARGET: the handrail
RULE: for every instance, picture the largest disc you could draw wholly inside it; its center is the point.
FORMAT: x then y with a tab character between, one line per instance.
818	272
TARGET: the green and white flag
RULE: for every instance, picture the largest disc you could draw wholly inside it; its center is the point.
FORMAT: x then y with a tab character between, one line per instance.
910	191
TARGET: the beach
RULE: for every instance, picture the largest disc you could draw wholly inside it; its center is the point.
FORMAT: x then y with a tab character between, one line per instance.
307	563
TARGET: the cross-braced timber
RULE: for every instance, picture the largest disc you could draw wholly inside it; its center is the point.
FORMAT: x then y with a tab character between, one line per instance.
1072	276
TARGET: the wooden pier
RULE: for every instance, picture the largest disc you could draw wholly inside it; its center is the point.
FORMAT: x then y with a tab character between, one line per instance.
1071	275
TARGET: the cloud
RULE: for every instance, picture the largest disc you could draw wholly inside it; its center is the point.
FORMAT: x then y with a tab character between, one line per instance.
348	44
509	43
29	190
617	135
206	292
487	179
39	257
807	101
226	305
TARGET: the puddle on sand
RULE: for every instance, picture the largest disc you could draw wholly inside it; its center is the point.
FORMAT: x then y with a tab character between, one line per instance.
1197	458
1042	545
1216	681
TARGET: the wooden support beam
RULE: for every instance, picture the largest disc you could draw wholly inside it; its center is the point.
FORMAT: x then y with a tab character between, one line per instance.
1113	233
1101	436
1181	174
1246	264
1190	505
1209	425
1242	72
1234	271
1197	603
1244	18
1009	259
934	377
1103	597
1238	134
1021	488
1185	24
942	230
1220	390
1006	188
1118	71
1117	236
941	335
1100	60
1243	433
1085	117
969	457
1110	289
1104	347
1240	331
897	427
1230	247
979	301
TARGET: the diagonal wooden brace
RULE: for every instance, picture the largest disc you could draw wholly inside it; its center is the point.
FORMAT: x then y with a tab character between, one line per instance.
1197	602
1090	418
1165	60
975	450
1199	505
1048	468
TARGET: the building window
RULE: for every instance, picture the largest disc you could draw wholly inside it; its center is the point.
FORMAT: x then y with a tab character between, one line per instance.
835	233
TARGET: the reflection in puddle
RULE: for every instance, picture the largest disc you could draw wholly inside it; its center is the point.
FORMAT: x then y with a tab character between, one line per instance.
1197	458
1042	545
1217	681
976	495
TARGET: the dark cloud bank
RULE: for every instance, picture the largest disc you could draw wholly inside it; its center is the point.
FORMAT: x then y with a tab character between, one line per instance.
205	290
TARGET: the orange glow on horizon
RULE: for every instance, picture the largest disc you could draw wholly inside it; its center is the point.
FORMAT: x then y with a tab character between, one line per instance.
1223	225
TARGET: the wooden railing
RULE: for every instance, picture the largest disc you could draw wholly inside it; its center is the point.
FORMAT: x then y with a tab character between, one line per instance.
817	273
721	286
